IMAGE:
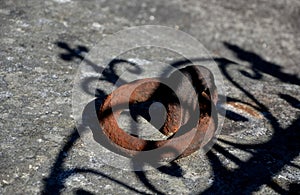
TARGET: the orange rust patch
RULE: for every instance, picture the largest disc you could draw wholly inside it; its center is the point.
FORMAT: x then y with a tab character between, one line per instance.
246	108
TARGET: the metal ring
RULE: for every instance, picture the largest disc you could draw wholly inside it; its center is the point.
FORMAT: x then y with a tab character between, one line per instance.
199	131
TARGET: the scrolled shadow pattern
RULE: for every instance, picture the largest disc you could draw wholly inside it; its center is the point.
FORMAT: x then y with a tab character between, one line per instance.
250	175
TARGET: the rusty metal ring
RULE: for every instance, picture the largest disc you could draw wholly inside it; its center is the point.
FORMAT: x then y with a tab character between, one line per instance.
186	142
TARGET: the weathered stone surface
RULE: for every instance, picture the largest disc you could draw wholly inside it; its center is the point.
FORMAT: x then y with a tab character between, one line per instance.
256	45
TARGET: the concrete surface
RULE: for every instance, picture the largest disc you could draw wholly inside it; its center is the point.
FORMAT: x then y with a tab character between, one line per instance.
255	43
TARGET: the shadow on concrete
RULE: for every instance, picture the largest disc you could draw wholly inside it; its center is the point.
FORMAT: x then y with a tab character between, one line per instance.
267	158
260	65
54	183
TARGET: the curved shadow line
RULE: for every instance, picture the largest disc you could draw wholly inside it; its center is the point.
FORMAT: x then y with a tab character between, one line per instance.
54	183
248	170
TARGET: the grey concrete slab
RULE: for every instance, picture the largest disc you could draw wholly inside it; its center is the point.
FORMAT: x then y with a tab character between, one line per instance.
254	43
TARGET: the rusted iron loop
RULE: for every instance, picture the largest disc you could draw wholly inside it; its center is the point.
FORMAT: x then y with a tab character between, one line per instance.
186	133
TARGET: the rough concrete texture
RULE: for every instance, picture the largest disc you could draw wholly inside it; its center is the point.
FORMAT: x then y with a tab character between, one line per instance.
255	43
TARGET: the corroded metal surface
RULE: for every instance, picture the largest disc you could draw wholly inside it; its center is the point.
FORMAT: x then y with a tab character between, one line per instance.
189	96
